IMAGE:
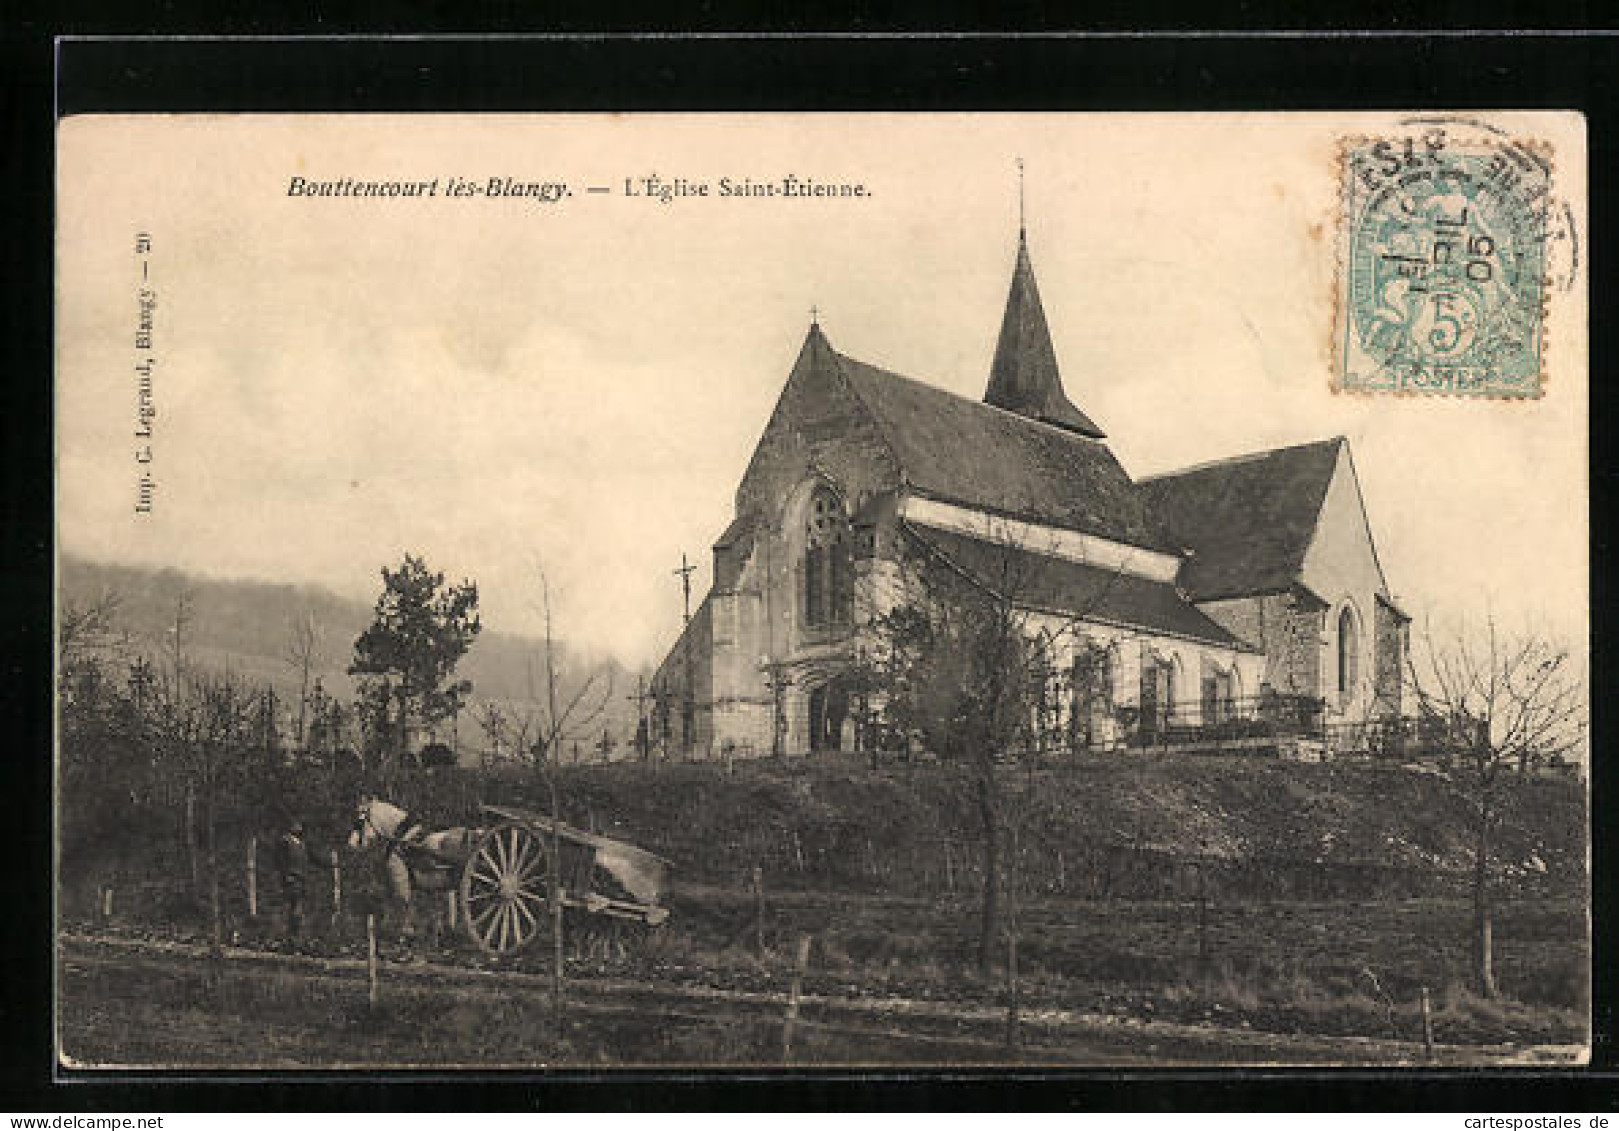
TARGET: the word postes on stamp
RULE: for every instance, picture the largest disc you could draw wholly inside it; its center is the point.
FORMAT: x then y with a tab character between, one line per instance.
1442	283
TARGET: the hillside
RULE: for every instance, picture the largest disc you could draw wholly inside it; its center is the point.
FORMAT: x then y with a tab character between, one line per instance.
1328	888
246	626
1123	826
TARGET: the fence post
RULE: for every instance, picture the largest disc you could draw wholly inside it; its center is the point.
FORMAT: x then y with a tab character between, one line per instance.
798	852
1427	1026
1202	927
371	958
949	868
450	916
191	836
794	992
759	909
1062	875
106	904
1011	990
557	1007
337	888
252	877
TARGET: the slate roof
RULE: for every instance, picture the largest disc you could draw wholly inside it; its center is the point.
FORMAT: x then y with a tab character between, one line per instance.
963	451
1062	586
1248	521
1023	377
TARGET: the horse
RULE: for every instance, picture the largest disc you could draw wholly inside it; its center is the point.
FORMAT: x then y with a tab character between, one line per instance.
417	859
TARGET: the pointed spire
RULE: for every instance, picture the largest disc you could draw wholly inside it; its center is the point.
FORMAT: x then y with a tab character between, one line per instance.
816	350
1023	377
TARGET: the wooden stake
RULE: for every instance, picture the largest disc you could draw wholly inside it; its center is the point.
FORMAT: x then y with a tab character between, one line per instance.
337	888
252	877
556	960
106	902
1202	926
191	835
794	993
798	851
759	909
950	869
1062	874
1011	990
371	958
216	911
1427	1026
449	898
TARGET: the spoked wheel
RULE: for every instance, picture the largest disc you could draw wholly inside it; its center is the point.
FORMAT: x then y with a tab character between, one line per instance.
503	889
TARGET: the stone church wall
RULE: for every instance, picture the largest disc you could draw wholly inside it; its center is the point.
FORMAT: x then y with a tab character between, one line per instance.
692	654
818	427
1391	648
1287	627
1341	567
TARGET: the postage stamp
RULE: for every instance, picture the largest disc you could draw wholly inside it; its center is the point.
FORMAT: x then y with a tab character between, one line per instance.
1442	279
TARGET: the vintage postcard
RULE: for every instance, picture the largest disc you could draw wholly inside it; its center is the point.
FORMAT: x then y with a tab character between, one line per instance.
765	590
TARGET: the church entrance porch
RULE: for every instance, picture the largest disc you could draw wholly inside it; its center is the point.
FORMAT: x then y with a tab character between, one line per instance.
828	714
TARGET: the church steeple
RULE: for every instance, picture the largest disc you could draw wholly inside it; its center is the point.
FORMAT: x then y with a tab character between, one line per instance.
1023	377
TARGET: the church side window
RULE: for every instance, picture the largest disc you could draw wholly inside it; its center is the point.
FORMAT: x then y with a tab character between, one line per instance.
1219	698
1158	695
1348	655
828	576
1093	695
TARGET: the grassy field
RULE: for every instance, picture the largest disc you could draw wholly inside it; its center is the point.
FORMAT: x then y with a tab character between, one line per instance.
1328	969
138	1005
155	1013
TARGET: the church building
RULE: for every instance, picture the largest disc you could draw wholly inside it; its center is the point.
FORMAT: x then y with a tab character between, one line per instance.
1201	596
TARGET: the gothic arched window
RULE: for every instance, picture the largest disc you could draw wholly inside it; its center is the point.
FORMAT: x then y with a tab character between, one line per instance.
828	588
1093	695
1348	655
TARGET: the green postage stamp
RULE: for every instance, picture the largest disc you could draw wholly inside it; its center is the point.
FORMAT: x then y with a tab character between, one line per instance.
1442	281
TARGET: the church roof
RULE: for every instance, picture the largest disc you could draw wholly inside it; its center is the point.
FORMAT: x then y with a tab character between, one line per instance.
1247	521
1023	378
739	532
1071	588
967	452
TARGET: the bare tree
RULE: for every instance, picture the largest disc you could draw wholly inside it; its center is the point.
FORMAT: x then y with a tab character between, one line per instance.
182	620
205	728
90	644
85	630
1495	704
303	656
567	716
965	661
496	725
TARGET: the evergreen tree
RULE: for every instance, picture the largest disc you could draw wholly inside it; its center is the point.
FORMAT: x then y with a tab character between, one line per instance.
407	657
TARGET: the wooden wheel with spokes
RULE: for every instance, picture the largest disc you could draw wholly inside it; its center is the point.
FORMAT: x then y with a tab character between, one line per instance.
503	887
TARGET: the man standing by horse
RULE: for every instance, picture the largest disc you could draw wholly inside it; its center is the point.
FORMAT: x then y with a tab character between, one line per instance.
292	861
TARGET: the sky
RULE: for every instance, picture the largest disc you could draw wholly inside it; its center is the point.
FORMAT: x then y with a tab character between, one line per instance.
504	385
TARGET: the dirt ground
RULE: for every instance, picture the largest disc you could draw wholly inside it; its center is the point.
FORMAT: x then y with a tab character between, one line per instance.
128	1002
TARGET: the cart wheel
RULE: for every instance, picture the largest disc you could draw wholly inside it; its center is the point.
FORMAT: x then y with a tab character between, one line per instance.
503	889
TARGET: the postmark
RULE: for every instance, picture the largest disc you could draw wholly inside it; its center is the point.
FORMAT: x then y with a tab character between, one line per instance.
1442	280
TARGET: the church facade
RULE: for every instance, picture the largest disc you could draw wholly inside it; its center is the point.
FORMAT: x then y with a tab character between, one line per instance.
1199	597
